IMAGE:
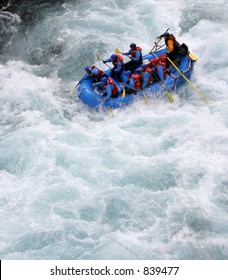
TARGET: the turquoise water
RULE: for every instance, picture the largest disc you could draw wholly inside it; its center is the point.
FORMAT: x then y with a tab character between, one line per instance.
150	182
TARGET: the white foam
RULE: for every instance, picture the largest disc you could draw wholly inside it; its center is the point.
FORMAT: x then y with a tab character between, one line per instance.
150	182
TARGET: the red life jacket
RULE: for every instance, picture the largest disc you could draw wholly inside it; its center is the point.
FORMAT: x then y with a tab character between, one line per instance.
137	78
115	89
161	60
119	58
148	69
100	73
133	53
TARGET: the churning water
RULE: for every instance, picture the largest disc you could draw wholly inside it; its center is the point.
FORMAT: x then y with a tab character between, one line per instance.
149	183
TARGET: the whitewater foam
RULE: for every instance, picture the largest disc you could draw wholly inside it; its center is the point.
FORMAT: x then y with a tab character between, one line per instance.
148	183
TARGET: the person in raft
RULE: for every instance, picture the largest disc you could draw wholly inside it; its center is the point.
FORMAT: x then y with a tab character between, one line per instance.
145	75
133	82
135	54
172	45
158	66
94	72
109	88
118	63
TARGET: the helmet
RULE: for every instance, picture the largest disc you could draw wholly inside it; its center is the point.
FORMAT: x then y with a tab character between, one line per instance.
132	45
143	66
87	69
114	57
166	34
104	80
128	73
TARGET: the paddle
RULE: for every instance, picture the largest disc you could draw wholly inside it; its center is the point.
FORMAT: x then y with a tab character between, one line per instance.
118	51
123	93
156	43
193	57
99	57
200	94
111	111
146	99
168	94
166	91
78	83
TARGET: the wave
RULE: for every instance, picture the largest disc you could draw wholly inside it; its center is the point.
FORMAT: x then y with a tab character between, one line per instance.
149	183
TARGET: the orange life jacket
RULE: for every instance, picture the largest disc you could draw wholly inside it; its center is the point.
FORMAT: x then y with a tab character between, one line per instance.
115	89
100	73
148	69
161	60
119	58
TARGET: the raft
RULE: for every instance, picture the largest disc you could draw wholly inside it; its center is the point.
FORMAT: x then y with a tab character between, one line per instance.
93	98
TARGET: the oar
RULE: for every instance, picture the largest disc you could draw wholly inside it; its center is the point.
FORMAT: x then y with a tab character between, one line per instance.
73	89
78	83
166	91
146	99
123	93
99	57
111	111
193	56
200	94
118	51
156	43
168	94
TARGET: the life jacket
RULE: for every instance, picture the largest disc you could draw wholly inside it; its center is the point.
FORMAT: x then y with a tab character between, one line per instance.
161	60
171	37
133	53
115	89
99	75
119	58
148	69
137	78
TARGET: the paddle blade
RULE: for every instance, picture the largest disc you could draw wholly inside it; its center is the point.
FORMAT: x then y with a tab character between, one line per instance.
111	111
71	91
192	56
146	99
123	93
117	50
169	96
98	56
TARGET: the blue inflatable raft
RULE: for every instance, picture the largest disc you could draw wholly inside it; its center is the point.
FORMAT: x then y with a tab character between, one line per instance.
93	98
